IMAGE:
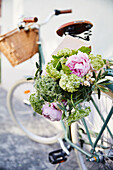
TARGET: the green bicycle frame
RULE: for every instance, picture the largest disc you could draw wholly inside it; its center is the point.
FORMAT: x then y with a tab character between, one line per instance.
93	145
67	131
103	127
41	56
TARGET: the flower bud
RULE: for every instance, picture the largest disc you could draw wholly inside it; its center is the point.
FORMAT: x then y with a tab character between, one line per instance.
92	80
86	83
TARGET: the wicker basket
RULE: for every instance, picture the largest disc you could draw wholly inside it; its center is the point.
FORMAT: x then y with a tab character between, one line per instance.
19	46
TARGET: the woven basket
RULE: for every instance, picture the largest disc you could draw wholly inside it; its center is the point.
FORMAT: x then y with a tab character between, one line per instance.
19	46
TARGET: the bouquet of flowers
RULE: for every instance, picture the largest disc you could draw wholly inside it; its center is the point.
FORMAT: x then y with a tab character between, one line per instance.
67	82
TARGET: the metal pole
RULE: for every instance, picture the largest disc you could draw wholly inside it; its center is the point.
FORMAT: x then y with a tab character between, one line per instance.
103	127
101	115
87	131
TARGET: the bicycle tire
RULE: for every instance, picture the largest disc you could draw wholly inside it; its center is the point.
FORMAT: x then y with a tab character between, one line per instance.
22	114
79	134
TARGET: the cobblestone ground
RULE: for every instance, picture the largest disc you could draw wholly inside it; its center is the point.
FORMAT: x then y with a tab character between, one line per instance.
18	152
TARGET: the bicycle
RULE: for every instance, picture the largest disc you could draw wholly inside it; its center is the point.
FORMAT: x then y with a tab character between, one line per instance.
25	87
61	155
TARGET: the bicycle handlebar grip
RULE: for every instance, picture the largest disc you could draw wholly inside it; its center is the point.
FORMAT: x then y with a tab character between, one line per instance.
30	19
58	12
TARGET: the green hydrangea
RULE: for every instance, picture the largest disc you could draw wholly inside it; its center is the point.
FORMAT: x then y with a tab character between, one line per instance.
69	82
78	113
52	72
64	52
48	89
36	103
97	62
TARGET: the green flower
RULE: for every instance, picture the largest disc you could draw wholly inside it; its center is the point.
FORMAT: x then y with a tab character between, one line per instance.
78	114
47	88
36	103
97	62
69	82
52	72
64	52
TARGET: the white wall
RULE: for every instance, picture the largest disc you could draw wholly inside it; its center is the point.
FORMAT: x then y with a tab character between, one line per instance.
99	12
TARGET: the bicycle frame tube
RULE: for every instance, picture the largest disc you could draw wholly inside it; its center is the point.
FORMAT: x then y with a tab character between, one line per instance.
67	134
87	131
41	56
96	107
103	127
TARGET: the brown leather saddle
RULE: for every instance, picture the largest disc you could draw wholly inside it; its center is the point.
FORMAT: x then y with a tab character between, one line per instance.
75	28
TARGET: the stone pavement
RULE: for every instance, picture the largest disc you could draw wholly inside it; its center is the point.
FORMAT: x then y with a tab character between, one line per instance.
18	152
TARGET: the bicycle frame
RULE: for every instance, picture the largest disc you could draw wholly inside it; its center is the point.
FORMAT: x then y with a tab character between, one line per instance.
93	154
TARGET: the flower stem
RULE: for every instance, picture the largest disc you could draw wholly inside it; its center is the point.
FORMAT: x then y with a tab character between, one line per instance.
72	100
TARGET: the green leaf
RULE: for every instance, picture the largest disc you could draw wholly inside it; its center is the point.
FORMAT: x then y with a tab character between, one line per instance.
59	66
104	60
40	72
56	57
60	107
104	74
77	102
66	69
54	62
103	81
104	89
99	93
74	52
94	75
63	115
99	75
36	73
30	78
105	84
37	65
84	49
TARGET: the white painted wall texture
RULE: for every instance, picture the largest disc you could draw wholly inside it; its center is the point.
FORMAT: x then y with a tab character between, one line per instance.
99	12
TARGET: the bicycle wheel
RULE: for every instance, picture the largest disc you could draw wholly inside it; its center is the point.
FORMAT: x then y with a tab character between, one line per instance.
32	124
94	123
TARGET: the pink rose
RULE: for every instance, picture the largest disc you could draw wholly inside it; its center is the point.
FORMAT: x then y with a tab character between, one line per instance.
51	112
79	64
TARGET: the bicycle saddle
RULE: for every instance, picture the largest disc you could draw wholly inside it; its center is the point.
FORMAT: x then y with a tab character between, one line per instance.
74	28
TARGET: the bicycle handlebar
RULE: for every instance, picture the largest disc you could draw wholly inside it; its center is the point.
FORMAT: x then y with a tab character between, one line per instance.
58	12
30	19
